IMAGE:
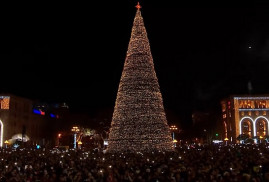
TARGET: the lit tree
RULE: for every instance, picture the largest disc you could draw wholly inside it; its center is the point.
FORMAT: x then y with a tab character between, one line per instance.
139	121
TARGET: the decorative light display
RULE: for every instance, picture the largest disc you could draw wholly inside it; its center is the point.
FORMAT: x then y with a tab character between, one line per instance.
4	102
2	133
139	122
254	124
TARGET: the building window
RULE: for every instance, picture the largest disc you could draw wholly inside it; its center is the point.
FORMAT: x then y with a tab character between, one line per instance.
4	102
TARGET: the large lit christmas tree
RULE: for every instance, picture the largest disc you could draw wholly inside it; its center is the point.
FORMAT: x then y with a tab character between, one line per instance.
139	122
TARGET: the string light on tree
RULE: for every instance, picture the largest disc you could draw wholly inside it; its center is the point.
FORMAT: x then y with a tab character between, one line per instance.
139	122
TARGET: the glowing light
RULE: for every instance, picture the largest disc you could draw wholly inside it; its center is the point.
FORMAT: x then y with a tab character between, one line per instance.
36	111
138	6
2	133
262	118
253	123
4	101
139	121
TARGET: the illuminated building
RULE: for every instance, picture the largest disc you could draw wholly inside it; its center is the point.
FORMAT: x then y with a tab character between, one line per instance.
245	115
21	118
139	121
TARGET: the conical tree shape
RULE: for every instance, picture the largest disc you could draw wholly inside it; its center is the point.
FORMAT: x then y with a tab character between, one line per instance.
139	122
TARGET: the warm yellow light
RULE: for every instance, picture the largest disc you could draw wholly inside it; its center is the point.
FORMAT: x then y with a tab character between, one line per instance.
79	142
226	139
6	142
75	129
175	141
261	137
139	121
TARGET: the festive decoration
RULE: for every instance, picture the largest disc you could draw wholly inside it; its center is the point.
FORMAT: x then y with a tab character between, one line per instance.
139	122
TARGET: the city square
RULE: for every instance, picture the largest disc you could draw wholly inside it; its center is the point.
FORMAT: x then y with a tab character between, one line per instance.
76	113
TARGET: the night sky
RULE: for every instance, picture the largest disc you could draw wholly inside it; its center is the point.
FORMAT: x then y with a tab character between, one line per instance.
75	52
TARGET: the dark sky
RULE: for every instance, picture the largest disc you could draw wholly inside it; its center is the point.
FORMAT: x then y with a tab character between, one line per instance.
75	52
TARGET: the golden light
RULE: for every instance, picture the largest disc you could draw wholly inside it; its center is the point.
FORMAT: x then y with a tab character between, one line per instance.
261	137
173	127
79	142
6	142
226	139
139	121
75	129
174	141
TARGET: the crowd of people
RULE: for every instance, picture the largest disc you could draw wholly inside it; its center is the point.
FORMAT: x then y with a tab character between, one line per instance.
187	163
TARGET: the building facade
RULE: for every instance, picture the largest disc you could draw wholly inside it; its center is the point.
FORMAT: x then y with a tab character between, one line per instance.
23	118
245	115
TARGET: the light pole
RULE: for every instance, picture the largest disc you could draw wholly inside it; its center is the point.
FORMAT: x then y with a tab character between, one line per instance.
173	128
261	137
75	129
6	143
226	140
58	139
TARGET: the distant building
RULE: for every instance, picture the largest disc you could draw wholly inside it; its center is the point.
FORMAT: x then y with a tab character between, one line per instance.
245	115
23	118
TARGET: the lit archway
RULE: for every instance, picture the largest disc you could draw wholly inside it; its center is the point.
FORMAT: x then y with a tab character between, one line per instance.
247	126
261	126
2	133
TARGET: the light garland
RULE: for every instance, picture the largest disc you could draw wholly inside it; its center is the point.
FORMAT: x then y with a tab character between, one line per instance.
139	122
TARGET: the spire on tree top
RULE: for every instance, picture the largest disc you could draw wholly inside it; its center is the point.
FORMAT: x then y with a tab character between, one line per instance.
138	6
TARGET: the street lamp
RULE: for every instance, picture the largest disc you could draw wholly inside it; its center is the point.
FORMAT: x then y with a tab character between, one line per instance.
75	129
79	144
261	137
6	143
58	139
173	128
226	140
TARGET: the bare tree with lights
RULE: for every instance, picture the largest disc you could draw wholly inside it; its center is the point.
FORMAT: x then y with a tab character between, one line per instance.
139	121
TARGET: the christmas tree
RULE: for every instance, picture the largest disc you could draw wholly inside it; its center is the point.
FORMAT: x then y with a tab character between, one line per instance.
139	122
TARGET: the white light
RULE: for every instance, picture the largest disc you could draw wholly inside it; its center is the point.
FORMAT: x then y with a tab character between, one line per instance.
2	133
253	123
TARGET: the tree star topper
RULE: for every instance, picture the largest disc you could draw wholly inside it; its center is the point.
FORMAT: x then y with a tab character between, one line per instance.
138	6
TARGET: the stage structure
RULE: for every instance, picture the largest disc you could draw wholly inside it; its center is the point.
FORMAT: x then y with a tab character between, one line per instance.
247	115
139	122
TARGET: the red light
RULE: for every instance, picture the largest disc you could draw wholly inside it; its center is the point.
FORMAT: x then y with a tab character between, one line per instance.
42	113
